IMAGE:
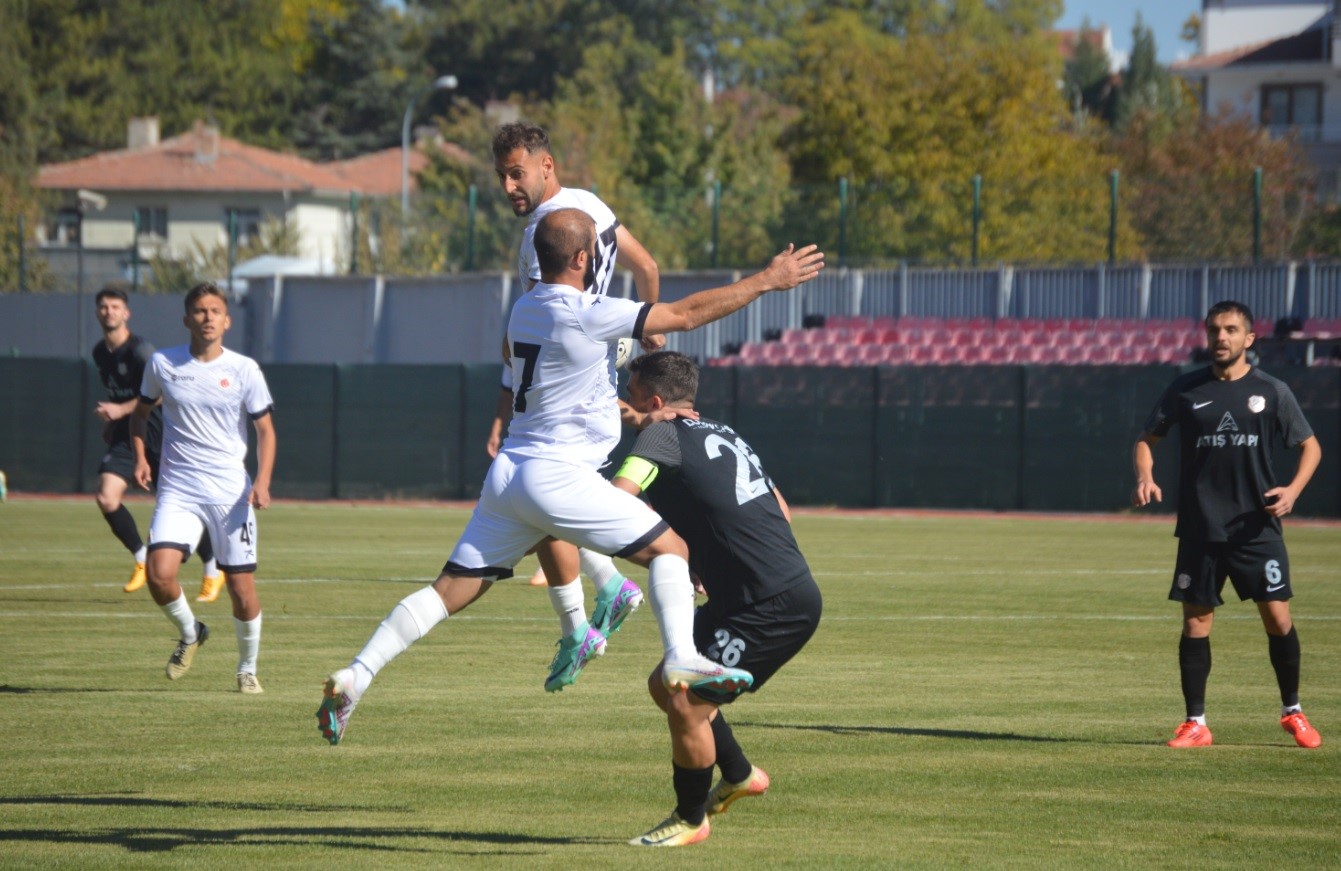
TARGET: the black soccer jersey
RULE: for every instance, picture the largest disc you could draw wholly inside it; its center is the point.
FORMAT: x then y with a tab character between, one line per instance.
1226	432
121	372
713	491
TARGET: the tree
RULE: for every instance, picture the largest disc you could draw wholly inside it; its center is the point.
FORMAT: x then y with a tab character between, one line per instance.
1087	82
909	121
361	71
1147	87
1192	187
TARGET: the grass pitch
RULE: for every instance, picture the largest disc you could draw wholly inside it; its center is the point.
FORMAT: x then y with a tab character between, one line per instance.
982	692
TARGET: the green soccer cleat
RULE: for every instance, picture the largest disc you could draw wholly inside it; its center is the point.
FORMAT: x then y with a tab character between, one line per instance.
610	613
572	657
337	706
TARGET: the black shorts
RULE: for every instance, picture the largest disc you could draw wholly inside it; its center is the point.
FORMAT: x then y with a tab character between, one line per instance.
759	638
1259	571
120	461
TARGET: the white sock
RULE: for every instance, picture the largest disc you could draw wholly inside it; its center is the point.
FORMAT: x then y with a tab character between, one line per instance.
569	603
248	643
211	568
179	612
1201	719
142	554
1287	710
601	569
671	593
409	621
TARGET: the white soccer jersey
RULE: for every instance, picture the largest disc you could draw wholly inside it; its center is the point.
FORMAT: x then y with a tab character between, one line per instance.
607	248
206	407
564	403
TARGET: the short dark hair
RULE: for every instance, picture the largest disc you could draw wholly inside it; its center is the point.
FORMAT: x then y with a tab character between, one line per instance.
204	288
668	374
520	134
1229	306
559	236
112	291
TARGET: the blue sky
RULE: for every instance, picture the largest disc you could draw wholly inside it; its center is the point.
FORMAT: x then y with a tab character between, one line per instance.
1164	18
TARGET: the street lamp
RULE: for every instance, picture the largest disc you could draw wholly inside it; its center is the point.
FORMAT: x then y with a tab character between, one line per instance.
441	83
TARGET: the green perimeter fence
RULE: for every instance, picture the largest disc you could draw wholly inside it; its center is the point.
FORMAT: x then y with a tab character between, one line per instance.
996	438
968	222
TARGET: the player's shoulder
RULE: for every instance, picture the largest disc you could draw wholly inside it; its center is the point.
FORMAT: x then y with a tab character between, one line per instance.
140	346
576	198
240	360
1191	380
175	356
1257	376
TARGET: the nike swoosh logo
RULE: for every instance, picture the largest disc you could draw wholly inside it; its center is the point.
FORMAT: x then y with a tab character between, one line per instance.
1270	589
1197	405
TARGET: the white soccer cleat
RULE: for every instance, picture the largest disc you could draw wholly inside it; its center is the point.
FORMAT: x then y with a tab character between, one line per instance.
699	672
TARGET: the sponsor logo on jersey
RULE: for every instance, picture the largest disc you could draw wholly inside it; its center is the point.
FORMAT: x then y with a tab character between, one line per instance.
224	382
1227	423
175	377
122	368
1184	581
1197	405
1256	404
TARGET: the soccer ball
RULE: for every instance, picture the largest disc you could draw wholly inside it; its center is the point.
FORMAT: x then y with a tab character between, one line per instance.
624	349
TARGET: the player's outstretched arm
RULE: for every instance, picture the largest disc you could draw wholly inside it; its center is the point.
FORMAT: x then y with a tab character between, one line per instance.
1280	500
1143	464
791	267
631	255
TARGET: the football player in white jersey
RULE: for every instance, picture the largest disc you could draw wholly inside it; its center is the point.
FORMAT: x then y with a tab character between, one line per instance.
208	395
525	167
545	480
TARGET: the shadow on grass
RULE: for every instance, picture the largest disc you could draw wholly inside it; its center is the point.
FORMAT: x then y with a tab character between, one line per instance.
131	800
163	839
961	734
23	691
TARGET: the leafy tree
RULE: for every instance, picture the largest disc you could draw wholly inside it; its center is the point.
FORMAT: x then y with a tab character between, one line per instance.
361	72
1147	87
1193	187
1087	82
910	121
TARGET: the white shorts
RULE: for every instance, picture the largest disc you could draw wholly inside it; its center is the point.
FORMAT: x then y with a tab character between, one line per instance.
524	501
232	529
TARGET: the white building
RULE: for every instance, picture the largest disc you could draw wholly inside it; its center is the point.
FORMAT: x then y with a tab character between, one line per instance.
1277	62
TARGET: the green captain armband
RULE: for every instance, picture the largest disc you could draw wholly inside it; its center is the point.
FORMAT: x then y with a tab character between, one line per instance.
639	471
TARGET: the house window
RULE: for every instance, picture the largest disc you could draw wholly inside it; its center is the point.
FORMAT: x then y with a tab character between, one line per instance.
1292	106
153	221
246	222
63	228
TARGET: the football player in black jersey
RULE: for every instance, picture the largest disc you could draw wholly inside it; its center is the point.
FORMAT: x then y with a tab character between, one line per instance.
763	604
121	357
1229	508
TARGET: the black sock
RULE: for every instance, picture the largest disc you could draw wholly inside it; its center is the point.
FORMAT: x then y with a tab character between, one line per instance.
205	550
1284	651
692	786
123	527
730	758
1194	663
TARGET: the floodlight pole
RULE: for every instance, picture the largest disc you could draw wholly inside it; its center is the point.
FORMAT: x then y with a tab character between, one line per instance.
440	83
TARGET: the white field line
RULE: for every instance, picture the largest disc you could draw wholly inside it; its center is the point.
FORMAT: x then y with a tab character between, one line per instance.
828	618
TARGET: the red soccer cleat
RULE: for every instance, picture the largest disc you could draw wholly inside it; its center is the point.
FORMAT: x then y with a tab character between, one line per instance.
1297	725
1191	734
